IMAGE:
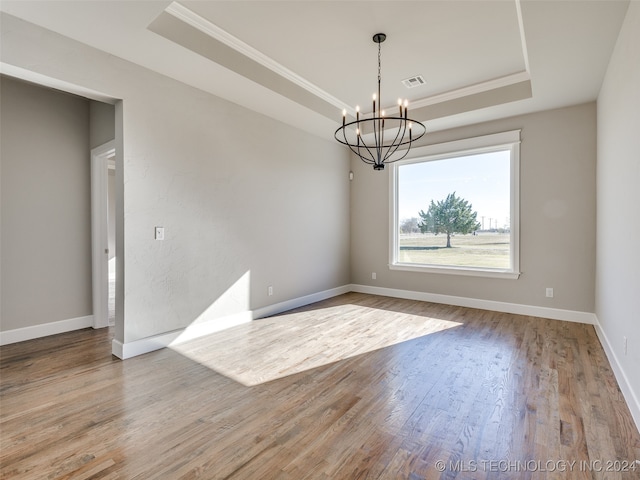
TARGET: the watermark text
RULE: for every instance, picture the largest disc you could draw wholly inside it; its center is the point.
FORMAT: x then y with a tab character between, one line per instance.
513	466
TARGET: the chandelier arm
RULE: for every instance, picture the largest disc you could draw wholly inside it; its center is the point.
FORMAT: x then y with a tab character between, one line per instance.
392	150
393	147
397	146
417	137
406	152
414	123
370	158
376	122
365	159
403	127
363	145
357	152
382	147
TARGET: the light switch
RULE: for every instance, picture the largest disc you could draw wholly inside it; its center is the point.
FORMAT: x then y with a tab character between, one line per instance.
159	233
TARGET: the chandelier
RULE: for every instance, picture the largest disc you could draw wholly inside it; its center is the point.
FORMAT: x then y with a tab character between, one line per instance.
366	136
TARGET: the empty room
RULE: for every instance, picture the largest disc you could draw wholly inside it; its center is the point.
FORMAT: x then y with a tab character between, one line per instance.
320	239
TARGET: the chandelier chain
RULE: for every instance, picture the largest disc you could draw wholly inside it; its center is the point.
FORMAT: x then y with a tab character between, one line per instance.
379	63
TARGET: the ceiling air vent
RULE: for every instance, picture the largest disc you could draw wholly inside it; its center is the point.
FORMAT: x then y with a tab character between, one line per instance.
413	81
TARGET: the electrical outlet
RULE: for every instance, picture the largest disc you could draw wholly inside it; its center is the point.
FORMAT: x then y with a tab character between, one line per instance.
270	290
549	292
159	233
624	344
373	275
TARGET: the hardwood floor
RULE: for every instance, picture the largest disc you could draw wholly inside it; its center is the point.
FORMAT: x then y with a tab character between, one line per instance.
490	395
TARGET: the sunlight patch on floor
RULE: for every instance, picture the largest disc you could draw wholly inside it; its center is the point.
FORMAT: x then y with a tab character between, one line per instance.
272	348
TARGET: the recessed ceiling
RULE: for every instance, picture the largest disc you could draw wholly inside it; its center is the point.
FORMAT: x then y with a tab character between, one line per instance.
433	39
302	61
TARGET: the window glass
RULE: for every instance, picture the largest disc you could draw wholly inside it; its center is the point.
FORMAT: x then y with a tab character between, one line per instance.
455	210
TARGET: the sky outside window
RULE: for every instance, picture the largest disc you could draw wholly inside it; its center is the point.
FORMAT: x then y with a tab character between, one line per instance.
481	179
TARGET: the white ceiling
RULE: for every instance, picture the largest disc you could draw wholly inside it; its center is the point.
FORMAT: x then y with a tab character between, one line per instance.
302	61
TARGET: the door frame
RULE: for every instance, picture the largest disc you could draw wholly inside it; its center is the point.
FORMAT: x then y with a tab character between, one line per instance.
100	232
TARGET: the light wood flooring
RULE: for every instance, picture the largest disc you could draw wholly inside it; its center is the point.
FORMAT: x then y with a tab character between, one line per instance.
481	394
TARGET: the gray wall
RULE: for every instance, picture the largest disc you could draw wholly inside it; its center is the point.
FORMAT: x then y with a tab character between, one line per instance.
618	255
246	202
557	216
45	212
102	123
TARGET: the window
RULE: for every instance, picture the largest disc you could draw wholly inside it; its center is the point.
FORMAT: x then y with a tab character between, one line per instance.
455	208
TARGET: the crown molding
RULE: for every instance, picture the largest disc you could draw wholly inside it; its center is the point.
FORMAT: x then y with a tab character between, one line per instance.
523	40
472	89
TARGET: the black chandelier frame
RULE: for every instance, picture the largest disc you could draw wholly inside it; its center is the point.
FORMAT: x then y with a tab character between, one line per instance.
380	153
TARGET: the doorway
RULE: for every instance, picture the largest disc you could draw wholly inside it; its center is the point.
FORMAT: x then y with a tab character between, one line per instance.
103	234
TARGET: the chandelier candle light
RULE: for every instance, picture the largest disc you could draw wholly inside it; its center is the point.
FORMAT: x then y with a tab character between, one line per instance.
366	136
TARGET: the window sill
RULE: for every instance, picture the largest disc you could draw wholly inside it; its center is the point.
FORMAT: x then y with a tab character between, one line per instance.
449	270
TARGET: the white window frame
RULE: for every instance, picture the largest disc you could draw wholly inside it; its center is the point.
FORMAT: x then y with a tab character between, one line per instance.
470	146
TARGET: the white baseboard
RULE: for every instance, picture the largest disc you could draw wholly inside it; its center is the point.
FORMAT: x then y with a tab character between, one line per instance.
625	386
156	342
149	344
299	302
516	308
45	329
